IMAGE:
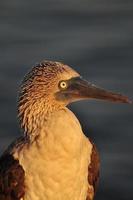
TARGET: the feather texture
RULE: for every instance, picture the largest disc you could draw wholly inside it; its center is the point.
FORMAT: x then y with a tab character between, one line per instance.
11	178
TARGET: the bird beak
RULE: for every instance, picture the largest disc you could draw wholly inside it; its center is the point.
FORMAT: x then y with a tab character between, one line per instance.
82	89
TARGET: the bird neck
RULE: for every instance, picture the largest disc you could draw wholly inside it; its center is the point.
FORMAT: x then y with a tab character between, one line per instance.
33	114
61	132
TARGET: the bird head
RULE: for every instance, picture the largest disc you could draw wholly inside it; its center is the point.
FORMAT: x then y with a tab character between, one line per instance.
53	85
58	84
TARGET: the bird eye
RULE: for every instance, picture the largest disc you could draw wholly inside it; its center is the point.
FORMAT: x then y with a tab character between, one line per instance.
63	85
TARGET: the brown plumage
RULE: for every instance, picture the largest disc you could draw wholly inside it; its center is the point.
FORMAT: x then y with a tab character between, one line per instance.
11	178
93	171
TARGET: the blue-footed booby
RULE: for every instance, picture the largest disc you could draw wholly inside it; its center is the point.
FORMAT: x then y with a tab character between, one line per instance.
53	160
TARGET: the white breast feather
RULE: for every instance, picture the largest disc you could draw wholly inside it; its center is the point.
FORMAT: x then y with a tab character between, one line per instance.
56	164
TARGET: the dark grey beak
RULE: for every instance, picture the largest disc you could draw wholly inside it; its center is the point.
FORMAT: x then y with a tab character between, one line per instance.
79	88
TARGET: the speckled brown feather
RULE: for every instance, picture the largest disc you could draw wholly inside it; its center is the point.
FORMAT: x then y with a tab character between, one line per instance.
11	178
93	172
33	96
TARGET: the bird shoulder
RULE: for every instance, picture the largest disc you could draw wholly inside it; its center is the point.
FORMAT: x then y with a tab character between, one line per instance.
93	172
11	178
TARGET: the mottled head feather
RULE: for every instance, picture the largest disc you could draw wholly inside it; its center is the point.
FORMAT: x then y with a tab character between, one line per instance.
42	80
49	70
37	91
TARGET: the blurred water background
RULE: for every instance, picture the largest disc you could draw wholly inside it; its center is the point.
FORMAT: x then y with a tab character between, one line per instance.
96	38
